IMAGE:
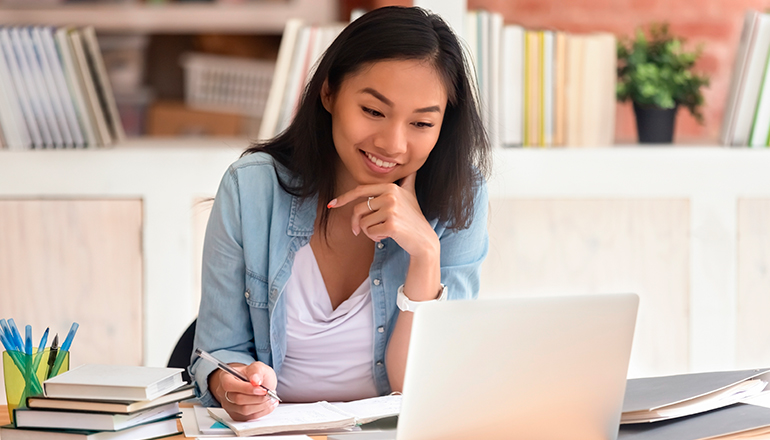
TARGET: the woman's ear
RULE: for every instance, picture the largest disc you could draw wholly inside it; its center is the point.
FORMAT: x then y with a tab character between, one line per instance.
326	96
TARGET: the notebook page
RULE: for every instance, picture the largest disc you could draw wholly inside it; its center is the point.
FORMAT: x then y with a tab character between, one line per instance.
289	417
369	410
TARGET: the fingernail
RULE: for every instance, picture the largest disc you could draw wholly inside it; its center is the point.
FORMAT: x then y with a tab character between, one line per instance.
355	233
332	204
256	380
275	403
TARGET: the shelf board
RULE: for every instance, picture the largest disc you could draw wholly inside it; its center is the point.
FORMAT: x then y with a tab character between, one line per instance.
263	17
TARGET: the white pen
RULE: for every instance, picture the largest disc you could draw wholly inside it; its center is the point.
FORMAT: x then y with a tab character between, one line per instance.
224	367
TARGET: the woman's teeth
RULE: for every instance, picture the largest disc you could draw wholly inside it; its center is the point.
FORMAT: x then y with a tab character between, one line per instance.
379	162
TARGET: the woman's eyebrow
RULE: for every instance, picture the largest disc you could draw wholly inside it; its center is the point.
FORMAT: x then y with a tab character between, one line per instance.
433	108
388	102
377	95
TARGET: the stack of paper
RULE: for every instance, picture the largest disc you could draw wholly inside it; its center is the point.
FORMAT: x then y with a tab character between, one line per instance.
660	398
696	406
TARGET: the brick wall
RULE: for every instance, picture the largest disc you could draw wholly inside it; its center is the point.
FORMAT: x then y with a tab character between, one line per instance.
714	23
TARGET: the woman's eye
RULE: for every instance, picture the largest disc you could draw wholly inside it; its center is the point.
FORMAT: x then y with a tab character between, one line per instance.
371	111
423	124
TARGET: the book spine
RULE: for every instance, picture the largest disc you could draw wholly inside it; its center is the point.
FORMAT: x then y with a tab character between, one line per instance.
21	89
270	116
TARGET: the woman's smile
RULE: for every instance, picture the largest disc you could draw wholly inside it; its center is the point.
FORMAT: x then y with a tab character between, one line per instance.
376	164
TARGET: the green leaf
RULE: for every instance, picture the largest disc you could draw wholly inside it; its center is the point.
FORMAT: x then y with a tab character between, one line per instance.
657	70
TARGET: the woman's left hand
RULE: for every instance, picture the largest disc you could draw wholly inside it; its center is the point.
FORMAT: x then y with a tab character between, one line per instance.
389	210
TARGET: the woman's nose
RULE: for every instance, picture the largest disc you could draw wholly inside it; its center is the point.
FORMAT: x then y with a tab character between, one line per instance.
392	140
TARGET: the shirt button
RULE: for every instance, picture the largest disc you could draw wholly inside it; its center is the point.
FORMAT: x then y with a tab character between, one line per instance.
381	329
247	294
379	363
380	245
376	281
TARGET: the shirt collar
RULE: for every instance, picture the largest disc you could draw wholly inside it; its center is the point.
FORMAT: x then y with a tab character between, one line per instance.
302	218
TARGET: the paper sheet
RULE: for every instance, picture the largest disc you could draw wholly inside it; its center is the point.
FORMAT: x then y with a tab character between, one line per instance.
319	415
190	426
367	410
207	425
761	399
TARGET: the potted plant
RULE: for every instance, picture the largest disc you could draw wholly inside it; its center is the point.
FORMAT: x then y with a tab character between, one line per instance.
656	74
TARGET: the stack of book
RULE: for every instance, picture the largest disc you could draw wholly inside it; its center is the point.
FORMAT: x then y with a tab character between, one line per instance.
103	402
746	121
54	90
537	88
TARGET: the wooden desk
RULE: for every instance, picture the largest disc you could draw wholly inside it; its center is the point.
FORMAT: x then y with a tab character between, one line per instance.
4	420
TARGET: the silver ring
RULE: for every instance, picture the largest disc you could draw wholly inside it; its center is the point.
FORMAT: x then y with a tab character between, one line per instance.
367	204
228	398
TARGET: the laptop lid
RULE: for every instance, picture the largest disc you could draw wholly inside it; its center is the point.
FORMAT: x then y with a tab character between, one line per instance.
530	368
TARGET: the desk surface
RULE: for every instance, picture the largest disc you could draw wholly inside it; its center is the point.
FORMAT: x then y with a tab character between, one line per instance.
4	420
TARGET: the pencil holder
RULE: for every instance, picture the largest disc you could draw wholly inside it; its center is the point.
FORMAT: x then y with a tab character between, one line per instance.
23	374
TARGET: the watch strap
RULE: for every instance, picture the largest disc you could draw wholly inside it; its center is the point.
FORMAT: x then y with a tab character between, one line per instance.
407	305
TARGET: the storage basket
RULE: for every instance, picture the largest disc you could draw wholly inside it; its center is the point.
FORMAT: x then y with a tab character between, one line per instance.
227	84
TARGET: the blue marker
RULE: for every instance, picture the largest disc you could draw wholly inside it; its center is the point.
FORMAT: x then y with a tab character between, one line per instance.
43	341
40	350
16	334
70	336
9	341
7	344
64	348
28	339
4	329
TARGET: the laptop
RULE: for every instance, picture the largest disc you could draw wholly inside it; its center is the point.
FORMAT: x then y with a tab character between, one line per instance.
530	368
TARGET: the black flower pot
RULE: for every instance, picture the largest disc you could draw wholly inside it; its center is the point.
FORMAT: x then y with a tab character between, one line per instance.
655	125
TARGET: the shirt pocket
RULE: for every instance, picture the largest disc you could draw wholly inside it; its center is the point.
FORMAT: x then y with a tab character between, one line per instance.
256	297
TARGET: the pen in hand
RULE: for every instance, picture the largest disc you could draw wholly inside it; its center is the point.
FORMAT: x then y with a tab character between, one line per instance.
222	366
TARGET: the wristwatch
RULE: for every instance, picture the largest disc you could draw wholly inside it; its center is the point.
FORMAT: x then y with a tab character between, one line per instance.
407	305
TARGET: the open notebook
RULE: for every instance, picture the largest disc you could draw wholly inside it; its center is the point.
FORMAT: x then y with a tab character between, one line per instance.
314	417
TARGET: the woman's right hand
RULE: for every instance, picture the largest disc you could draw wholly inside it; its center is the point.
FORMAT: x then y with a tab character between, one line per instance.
243	400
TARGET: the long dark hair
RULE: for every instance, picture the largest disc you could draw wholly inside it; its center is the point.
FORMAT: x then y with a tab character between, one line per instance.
446	183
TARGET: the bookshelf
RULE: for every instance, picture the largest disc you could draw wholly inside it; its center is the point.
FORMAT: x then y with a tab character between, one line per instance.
685	227
264	17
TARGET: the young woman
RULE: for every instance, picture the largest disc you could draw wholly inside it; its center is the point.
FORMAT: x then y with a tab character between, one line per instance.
322	241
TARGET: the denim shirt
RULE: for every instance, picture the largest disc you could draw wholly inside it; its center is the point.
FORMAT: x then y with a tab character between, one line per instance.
253	233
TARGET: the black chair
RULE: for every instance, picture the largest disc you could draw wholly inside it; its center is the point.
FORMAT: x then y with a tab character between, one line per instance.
180	357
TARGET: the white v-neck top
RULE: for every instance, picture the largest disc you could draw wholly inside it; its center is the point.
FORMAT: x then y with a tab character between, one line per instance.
329	353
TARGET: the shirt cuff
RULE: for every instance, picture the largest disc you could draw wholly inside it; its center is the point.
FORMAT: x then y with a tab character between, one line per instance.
201	369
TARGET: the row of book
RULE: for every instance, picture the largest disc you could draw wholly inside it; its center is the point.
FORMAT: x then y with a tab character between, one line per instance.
746	120
543	88
537	88
103	402
54	90
301	47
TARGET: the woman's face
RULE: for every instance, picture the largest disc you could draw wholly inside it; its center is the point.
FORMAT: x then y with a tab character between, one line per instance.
386	119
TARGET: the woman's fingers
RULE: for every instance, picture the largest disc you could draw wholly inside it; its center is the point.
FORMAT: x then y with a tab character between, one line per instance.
248	400
372	209
244	399
232	385
361	191
261	374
